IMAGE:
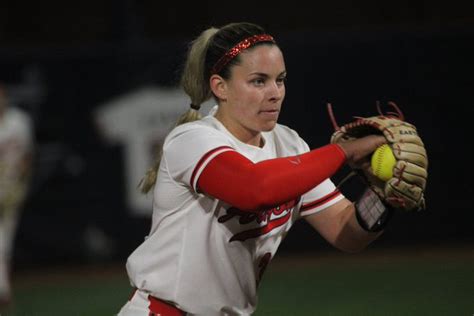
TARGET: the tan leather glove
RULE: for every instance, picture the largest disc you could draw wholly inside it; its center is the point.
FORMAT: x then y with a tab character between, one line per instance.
406	189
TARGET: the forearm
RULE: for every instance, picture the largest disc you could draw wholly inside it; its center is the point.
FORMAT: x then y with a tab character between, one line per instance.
340	225
364	221
352	237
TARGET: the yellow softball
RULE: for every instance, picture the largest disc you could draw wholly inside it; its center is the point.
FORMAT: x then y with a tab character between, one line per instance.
383	162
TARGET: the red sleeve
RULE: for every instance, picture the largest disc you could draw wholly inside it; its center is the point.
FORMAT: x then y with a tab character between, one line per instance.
236	180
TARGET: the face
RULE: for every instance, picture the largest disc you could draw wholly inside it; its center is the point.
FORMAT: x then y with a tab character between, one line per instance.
251	99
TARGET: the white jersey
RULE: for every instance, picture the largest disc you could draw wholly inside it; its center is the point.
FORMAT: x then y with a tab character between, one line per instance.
15	142
203	254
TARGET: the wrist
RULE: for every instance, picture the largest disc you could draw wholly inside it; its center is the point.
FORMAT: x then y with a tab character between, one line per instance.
341	149
371	213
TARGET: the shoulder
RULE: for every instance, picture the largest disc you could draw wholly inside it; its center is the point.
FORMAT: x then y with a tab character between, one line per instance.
289	138
194	132
18	115
18	120
284	130
199	126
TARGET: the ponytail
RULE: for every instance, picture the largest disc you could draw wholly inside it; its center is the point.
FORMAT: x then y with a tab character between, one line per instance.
194	81
203	54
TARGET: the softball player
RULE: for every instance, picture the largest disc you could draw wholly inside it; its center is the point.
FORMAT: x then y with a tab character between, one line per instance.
229	186
15	153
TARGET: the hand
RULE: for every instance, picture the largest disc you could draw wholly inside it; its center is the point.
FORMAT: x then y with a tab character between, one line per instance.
405	190
358	151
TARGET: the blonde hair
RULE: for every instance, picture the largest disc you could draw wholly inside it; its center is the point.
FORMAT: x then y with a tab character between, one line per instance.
202	55
193	81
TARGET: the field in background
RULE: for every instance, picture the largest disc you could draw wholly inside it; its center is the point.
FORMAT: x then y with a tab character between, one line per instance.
374	282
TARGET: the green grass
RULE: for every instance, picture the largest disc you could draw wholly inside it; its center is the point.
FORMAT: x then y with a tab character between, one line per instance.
441	284
400	288
78	296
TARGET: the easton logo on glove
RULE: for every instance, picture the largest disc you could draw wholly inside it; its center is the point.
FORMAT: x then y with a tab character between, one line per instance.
405	190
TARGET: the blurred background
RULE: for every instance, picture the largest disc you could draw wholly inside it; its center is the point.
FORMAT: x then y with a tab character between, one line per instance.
100	82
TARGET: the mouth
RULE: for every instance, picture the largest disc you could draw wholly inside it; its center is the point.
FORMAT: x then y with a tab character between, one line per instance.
270	111
271	114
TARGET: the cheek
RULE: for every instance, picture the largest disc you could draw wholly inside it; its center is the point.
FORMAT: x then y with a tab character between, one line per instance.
245	111
247	100
254	98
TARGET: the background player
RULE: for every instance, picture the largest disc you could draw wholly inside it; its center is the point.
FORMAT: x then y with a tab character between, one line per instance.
16	147
229	186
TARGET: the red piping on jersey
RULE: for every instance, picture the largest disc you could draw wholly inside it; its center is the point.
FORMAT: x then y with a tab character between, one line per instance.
203	159
249	186
321	201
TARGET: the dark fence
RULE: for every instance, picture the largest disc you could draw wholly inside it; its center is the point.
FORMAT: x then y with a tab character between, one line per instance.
76	209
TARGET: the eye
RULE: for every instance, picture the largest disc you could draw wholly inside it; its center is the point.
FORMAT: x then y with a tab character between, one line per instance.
258	81
281	80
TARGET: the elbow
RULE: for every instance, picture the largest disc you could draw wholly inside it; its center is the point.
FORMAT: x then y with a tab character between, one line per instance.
262	195
252	202
255	197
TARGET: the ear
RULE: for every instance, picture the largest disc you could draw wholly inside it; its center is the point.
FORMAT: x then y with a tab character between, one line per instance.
218	87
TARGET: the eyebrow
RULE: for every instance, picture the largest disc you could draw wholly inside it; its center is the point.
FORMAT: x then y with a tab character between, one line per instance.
266	75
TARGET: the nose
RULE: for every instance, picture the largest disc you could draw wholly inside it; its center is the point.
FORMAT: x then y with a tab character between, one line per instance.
276	91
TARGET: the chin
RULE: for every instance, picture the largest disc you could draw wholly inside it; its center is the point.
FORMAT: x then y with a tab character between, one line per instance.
268	126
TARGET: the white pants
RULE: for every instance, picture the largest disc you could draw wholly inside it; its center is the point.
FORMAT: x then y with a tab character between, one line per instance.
8	222
136	306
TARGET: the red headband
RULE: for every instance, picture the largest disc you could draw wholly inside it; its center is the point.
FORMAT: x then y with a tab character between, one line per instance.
234	51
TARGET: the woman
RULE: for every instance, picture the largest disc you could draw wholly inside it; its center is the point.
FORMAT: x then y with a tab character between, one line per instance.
16	157
229	186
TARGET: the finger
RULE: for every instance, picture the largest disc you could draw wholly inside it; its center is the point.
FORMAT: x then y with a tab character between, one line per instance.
411	152
410	173
403	191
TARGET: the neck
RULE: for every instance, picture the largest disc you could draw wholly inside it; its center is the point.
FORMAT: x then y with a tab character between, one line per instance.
243	134
256	140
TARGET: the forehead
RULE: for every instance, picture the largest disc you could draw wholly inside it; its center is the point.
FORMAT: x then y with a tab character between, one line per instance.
263	58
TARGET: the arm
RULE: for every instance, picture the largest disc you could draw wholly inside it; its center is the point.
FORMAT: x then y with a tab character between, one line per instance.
15	182
25	166
238	181
352	226
338	225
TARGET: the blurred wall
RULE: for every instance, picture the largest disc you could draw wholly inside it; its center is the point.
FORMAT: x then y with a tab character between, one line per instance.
75	62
